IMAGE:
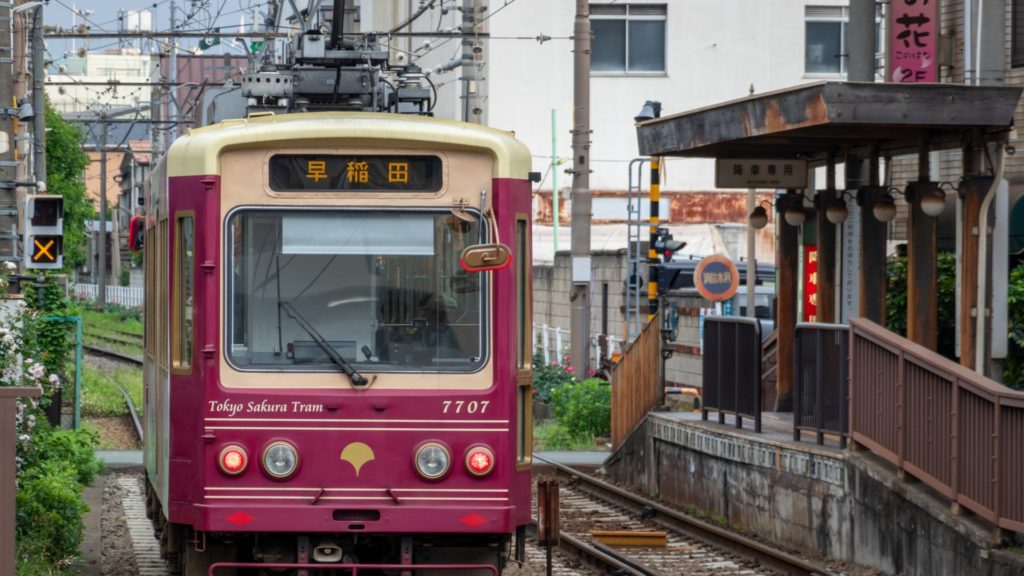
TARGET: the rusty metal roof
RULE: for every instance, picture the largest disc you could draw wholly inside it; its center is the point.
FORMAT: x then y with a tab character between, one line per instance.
812	120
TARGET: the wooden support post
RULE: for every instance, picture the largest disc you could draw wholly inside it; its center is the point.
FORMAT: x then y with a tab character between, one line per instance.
971	192
8	446
873	234
826	307
785	321
922	292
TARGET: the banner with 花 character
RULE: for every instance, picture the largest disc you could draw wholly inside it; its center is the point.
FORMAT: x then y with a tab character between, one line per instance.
810	283
913	41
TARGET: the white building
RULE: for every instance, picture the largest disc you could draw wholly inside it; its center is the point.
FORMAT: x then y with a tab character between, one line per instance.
78	84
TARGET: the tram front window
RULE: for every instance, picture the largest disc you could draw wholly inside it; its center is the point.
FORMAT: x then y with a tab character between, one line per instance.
385	290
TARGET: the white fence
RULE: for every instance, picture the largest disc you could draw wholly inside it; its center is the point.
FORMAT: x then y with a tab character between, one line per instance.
130	296
553	343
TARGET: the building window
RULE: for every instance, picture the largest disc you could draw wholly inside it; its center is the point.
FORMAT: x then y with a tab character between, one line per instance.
1017	35
628	38
825	49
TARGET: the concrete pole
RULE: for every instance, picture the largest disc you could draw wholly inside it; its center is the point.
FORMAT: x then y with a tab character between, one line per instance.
38	98
860	41
7	171
581	205
554	174
172	77
102	237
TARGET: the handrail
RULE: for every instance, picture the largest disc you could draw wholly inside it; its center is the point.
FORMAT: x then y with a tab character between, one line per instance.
732	368
951	428
820	400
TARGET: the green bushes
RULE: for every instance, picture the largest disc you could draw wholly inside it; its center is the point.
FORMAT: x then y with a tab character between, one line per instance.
1013	375
582	410
585	408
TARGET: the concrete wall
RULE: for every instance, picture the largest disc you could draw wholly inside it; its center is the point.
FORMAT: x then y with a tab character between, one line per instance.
848	506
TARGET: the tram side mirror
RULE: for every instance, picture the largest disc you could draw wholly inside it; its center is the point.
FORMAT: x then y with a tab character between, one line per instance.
484	257
136	233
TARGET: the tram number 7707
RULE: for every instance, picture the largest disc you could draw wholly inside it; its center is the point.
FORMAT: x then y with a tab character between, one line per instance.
461	406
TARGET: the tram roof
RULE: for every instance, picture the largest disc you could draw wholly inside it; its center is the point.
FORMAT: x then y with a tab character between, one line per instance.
814	120
198	151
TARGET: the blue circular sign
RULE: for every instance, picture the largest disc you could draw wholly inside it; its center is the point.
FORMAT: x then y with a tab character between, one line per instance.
716	278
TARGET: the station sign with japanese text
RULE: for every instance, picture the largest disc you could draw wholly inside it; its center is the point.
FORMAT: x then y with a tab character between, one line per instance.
760	173
913	41
353	173
716	278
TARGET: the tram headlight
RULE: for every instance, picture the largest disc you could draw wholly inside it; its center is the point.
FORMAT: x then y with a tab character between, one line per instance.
280	460
432	460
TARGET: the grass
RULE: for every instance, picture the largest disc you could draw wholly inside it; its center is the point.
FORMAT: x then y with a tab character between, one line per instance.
100	393
113	322
552	435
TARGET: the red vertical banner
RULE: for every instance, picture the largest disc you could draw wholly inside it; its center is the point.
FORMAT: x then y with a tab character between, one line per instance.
913	41
810	283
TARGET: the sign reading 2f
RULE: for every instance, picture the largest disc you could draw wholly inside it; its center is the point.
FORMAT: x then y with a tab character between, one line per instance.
913	41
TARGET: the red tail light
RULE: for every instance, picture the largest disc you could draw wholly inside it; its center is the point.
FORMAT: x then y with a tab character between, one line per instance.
480	460
233	459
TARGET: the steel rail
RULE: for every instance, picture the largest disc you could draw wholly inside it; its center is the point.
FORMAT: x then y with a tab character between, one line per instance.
127	358
601	558
132	411
677	521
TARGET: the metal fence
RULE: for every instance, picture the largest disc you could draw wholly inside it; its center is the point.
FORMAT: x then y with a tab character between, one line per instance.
820	391
732	368
635	381
131	296
552	344
953	429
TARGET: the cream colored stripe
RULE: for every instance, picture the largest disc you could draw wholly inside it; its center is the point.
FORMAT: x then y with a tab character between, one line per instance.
351	429
357	420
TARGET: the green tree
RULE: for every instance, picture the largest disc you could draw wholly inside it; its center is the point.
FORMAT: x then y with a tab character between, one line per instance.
65	170
1013	374
896	300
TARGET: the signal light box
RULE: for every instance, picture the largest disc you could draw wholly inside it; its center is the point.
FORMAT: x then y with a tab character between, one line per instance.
44	232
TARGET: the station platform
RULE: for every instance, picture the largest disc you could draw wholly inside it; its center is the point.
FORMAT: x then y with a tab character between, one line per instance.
845	504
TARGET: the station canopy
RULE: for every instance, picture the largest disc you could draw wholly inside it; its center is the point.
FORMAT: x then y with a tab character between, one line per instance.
811	121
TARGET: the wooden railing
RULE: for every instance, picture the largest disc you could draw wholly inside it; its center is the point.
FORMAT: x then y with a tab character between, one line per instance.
635	381
951	428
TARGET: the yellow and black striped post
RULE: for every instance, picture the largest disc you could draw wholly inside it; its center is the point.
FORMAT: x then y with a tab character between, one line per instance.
652	254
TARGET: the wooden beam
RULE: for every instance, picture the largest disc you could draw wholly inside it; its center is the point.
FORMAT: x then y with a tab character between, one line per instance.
826	306
972	191
872	257
922	291
630	538
788	249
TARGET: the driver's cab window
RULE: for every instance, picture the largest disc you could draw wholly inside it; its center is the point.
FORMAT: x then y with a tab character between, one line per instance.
384	290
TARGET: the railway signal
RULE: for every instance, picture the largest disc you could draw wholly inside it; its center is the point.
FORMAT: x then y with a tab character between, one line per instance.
44	232
665	246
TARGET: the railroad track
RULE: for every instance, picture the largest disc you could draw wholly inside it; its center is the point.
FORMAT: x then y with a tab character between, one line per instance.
693	547
113	354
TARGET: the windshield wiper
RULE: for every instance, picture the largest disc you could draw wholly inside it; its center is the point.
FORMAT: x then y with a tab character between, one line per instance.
357	379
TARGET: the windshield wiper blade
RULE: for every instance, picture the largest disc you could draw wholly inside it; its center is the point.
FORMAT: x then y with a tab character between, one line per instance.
357	379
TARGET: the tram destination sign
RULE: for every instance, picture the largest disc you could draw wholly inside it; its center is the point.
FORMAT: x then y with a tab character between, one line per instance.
354	173
760	173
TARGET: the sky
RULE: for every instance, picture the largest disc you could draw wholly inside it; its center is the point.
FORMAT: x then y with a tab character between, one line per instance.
197	16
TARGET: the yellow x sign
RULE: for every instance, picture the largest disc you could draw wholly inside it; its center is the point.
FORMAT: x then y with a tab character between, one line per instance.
43	251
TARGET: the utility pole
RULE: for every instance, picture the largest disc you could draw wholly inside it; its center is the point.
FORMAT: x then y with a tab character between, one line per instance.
102	284
38	99
172	77
8	164
579	297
